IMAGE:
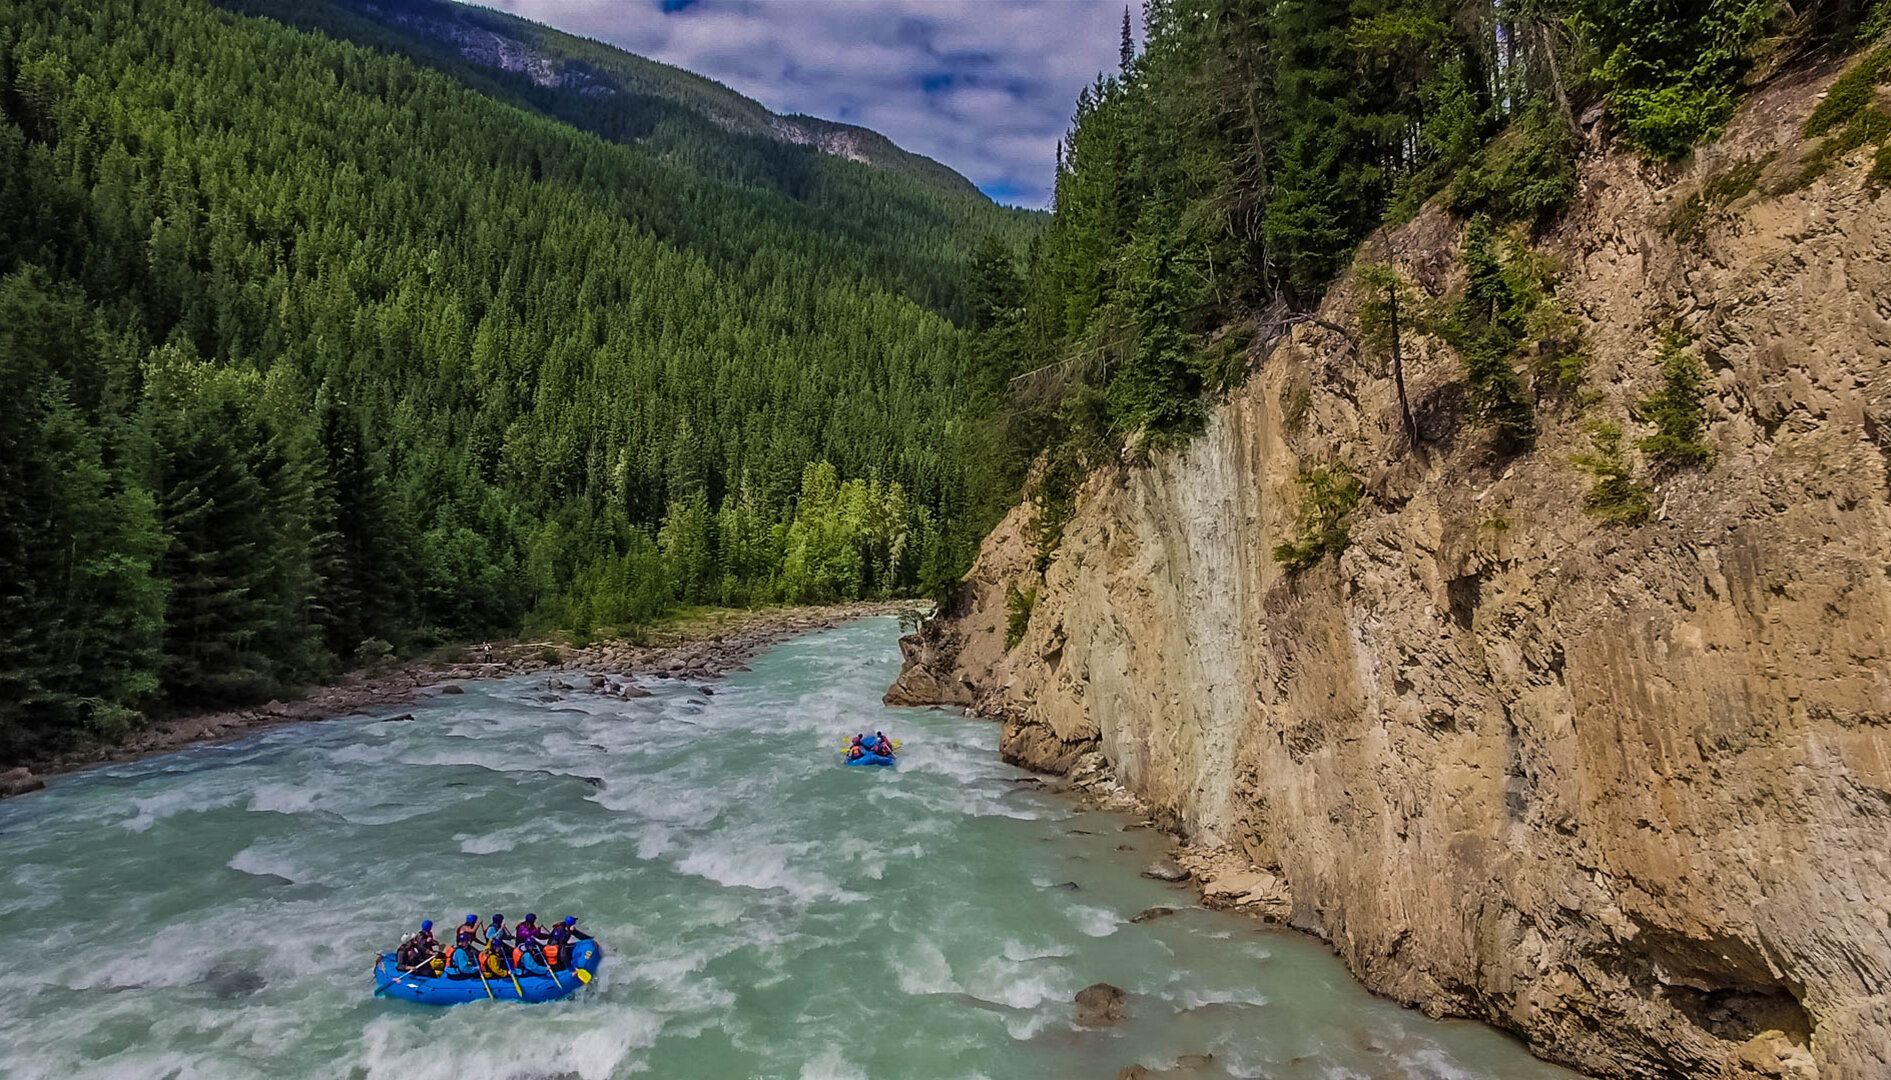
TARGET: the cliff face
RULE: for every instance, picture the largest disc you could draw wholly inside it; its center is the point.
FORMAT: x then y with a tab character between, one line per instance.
1625	790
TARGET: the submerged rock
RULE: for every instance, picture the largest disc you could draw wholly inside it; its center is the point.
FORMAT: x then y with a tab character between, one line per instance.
230	985
1152	914
453	688
1101	1005
1166	870
1184	1065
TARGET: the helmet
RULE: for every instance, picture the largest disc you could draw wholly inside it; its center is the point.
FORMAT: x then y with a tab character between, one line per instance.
472	920
531	918
497	918
879	734
569	921
426	924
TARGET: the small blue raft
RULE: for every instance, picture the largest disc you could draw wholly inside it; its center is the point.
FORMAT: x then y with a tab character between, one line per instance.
440	990
885	761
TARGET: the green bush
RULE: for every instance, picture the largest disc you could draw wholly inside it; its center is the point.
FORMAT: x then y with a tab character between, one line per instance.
1614	494
1671	68
1678	409
1851	94
1526	174
1018	607
1322	525
1486	327
1872	125
1723	189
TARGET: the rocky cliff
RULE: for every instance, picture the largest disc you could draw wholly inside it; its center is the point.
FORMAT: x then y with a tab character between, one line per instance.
1624	789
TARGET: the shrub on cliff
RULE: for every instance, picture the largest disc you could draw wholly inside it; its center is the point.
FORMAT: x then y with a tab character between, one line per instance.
1614	494
1678	409
1018	606
1323	523
1486	327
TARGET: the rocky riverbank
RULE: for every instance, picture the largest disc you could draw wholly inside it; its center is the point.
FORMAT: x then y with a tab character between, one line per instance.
701	648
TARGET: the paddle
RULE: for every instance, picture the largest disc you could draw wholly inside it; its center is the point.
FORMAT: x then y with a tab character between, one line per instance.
515	983
479	965
583	975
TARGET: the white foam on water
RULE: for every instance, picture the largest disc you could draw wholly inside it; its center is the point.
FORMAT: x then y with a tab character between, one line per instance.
484	1042
178	800
1027	1025
765	868
360	754
1434	1062
266	859
1094	921
1019	986
287	798
830	1065
489	843
1190	998
923	969
655	842
1021	952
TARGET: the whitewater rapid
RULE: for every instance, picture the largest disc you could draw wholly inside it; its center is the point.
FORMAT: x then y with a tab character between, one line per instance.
766	912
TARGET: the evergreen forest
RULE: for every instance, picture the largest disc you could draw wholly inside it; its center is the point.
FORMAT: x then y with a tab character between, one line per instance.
309	350
1228	171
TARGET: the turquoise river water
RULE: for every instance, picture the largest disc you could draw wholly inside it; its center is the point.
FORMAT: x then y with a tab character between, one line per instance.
766	912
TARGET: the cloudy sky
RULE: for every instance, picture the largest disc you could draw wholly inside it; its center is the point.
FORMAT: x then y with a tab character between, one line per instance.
985	86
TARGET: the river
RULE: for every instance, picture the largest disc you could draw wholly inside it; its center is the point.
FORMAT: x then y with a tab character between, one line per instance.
766	912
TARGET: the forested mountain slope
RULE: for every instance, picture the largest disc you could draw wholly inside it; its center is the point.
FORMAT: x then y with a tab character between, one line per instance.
604	89
910	221
305	349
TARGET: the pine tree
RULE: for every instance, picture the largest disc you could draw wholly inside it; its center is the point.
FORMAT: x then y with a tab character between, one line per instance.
1127	54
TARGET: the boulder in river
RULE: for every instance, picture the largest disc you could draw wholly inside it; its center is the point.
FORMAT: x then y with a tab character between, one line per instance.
453	688
1152	914
1186	1065
18	782
1101	1005
1166	870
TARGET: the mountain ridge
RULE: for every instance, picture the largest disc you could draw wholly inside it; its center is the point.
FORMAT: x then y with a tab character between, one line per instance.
555	59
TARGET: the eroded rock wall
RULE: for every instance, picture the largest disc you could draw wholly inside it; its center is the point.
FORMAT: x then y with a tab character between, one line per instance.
1625	790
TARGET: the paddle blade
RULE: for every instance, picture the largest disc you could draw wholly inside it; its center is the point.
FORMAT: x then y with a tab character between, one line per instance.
583	975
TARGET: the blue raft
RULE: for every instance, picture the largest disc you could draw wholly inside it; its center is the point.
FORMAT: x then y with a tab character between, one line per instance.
883	760
439	990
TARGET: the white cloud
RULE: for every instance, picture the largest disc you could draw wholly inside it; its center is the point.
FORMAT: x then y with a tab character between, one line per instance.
985	86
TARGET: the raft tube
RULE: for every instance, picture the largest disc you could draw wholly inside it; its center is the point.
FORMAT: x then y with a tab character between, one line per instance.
440	990
883	760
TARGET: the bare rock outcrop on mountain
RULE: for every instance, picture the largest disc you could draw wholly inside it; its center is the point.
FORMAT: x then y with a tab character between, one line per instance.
1625	790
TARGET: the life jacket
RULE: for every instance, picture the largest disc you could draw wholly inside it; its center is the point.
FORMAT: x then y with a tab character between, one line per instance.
496	932
561	934
466	933
526	961
554	955
495	961
856	752
883	748
465	963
